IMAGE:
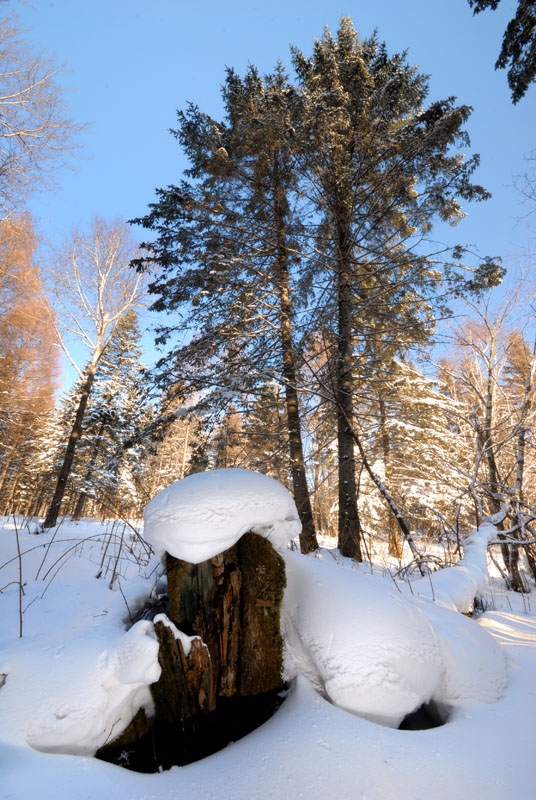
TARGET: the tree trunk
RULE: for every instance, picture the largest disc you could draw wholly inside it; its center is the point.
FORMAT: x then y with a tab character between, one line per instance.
349	526
308	540
74	437
395	545
80	503
232	602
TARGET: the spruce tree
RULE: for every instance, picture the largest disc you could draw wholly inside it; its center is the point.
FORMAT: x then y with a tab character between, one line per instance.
425	460
309	209
266	434
228	443
379	168
518	51
226	248
115	412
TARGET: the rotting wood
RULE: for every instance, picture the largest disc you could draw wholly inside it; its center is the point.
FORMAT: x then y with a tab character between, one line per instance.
230	681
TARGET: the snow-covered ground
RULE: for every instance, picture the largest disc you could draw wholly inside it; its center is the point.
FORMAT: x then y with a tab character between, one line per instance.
360	651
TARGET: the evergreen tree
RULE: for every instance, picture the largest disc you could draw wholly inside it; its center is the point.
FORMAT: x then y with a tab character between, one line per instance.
378	167
425	462
228	443
115	412
518	51
43	465
308	209
266	435
226	246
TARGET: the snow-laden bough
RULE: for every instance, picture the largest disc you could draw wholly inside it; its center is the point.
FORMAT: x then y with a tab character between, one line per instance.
456	587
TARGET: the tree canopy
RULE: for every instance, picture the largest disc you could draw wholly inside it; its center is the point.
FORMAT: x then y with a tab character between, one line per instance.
518	50
309	207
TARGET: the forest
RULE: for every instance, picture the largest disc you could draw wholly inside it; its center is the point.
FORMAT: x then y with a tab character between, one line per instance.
280	540
304	300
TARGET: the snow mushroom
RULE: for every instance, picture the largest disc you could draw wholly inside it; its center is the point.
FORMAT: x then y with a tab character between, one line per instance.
204	514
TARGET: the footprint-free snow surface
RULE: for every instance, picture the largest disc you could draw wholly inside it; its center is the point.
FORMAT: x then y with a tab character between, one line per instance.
206	513
360	654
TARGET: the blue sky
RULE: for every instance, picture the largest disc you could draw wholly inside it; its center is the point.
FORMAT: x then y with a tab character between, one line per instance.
133	63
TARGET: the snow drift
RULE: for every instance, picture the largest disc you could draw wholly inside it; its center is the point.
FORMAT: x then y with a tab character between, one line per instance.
365	647
73	697
373	651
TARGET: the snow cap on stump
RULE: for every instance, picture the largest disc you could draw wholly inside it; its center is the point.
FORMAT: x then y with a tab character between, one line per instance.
204	514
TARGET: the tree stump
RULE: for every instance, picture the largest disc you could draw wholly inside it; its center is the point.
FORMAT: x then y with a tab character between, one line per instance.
230	681
184	687
233	603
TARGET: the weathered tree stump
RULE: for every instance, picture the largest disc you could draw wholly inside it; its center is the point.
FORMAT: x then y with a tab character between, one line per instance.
233	603
184	688
230	681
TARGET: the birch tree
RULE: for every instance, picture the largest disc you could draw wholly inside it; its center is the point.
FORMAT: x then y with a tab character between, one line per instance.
95	288
494	378
37	134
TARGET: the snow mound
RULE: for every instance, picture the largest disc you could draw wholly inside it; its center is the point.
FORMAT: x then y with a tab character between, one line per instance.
73	698
374	652
204	514
366	647
474	666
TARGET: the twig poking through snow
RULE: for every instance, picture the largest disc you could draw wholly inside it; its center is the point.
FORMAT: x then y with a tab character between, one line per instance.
21	588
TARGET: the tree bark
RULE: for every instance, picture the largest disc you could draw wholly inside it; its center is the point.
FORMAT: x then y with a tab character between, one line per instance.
349	525
184	688
233	603
74	437
308	540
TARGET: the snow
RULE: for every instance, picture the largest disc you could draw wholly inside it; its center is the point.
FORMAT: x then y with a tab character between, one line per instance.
76	677
369	649
473	664
375	652
456	587
204	514
91	696
183	638
312	749
354	643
